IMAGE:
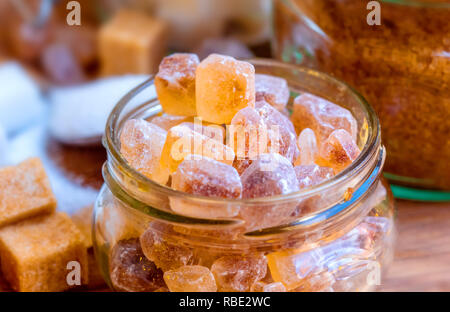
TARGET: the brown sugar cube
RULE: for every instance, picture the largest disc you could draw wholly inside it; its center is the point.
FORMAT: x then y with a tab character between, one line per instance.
24	192
35	253
132	43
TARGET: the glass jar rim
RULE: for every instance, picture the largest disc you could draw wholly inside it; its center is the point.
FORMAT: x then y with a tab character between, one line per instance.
369	151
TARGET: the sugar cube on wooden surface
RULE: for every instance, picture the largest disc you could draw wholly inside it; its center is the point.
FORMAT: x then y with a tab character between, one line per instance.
36	253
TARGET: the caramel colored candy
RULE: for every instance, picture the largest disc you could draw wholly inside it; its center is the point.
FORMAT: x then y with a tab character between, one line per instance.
322	117
239	273
175	84
248	134
273	90
166	256
183	141
210	178
338	151
292	267
141	143
307	145
190	278
131	271
310	175
36	253
264	287
166	121
282	136
24	192
223	87
269	175
131	43
211	131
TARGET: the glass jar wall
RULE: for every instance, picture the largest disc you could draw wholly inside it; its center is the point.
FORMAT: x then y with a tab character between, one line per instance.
339	237
402	67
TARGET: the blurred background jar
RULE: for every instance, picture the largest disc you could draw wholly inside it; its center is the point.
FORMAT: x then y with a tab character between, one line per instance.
402	67
36	33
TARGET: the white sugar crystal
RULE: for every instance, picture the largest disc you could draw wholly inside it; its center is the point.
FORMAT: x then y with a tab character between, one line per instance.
79	114
21	102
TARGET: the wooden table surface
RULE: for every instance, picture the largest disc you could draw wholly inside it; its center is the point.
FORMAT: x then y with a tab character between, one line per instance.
422	256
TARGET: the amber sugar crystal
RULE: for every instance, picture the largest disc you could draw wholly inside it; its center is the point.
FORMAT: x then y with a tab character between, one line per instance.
25	191
273	90
322	116
223	87
131	271
190	278
338	151
239	273
175	84
141	144
183	141
35	253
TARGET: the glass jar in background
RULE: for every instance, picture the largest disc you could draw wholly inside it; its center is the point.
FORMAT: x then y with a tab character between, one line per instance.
339	238
402	67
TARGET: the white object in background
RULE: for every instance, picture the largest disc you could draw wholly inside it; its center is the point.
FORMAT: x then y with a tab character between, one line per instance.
3	147
78	114
21	101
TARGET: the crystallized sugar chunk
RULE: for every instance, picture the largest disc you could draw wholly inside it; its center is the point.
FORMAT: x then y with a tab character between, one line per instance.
165	255
238	273
190	278
223	87
269	175
183	141
131	271
322	117
271	287
293	267
166	121
282	136
25	191
248	135
338	151
309	175
212	131
141	144
210	178
35	253
273	90
175	84
307	145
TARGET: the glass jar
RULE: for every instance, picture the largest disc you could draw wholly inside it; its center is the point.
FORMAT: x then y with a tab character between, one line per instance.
402	67
340	236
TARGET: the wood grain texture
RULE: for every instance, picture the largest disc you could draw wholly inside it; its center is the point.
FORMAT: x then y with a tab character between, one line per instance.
422	255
